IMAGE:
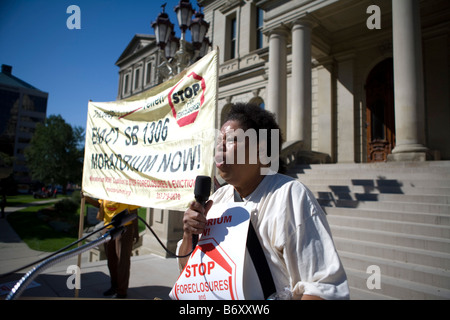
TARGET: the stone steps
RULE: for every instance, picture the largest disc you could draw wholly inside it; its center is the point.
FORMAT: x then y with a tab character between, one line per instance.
395	216
395	253
370	190
392	288
380	167
392	238
424	275
399	227
381	197
391	185
421	217
399	206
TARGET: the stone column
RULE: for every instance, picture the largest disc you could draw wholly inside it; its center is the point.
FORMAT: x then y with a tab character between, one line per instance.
408	82
277	82
168	225
345	108
299	114
326	122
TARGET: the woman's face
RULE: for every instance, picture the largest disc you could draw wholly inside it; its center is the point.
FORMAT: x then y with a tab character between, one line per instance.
233	156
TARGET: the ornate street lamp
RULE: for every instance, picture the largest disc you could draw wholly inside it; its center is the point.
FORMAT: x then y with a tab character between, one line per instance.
173	44
173	50
205	46
198	28
163	28
184	13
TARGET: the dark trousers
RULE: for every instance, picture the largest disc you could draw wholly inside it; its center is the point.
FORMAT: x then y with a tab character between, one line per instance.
118	253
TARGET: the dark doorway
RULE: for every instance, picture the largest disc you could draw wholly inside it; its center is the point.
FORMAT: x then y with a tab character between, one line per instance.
380	121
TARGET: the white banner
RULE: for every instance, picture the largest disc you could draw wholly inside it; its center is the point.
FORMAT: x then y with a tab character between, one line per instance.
148	149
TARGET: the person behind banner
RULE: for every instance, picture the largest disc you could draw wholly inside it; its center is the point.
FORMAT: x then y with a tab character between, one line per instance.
118	251
290	224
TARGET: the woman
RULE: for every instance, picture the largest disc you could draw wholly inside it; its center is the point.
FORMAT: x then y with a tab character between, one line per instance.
289	223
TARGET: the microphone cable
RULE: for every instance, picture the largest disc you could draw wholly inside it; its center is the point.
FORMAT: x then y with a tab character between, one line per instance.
87	236
56	252
116	221
202	189
162	244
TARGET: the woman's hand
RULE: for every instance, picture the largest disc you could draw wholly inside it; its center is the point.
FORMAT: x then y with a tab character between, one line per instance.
194	222
194	219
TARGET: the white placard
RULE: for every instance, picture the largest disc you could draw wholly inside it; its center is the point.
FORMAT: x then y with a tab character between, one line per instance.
216	267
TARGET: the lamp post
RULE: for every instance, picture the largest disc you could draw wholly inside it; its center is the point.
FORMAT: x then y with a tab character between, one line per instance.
176	52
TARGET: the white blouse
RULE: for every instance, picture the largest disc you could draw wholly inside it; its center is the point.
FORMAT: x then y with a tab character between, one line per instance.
295	236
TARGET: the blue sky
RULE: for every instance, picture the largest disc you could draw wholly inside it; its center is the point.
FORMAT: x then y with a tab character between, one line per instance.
73	66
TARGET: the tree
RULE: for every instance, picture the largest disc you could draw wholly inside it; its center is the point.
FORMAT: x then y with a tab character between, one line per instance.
55	155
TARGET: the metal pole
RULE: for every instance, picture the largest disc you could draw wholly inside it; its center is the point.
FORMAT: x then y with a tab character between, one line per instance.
80	235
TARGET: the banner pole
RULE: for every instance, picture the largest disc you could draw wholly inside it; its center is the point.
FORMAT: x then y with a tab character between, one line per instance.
80	235
216	113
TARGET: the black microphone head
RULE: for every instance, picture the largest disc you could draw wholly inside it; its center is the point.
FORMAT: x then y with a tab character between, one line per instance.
123	218
202	188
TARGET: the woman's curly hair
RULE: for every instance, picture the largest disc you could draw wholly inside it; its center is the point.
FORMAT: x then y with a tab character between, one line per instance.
251	116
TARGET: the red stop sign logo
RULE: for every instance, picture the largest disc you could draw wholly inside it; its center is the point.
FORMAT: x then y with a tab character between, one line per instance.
186	98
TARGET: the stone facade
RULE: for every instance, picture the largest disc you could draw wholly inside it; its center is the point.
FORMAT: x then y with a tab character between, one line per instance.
354	81
313	66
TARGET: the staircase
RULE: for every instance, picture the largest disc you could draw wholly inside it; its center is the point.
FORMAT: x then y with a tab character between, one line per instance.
390	223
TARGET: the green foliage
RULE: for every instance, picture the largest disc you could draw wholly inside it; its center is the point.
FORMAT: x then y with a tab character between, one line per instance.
66	209
54	155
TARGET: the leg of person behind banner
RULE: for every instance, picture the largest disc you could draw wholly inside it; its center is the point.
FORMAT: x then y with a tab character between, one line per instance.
80	235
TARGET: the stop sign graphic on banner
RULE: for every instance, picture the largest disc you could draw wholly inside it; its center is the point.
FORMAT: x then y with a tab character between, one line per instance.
215	269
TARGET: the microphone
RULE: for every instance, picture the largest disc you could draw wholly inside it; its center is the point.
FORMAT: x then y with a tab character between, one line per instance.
122	218
118	221
202	190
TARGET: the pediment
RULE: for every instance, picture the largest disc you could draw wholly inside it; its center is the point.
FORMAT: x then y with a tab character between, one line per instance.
138	42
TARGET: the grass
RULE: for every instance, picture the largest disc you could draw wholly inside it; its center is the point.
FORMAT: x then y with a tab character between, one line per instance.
21	200
37	233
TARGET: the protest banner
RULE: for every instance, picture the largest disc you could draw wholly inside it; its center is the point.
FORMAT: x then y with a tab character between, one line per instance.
147	150
219	267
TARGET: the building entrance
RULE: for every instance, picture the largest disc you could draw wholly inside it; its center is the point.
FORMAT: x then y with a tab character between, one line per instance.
380	116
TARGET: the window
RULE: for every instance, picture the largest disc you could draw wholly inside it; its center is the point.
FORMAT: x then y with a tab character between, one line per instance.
148	73
233	38
126	83
9	108
137	82
259	26
34	103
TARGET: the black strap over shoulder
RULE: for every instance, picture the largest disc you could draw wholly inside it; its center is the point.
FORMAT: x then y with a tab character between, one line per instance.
259	259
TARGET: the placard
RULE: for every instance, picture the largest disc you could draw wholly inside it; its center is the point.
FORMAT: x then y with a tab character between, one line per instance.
215	269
